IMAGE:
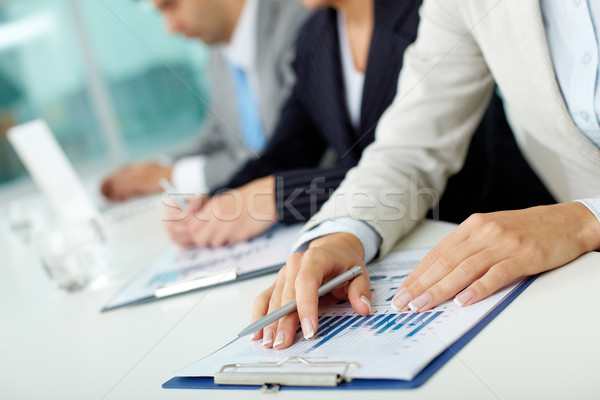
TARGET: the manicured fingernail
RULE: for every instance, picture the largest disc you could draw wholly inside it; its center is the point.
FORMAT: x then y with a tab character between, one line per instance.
463	298
400	300
420	302
366	300
267	337
307	328
252	335
279	338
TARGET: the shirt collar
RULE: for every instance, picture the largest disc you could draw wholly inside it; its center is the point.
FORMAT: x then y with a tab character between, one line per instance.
241	51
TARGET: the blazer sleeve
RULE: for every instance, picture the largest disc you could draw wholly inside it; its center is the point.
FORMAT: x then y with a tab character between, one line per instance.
216	138
291	155
221	158
423	137
300	193
295	144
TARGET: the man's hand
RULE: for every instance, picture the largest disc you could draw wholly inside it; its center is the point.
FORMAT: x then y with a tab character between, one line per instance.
236	215
488	251
177	221
300	279
135	180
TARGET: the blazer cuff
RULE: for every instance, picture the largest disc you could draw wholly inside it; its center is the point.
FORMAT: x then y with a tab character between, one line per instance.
189	175
369	238
593	205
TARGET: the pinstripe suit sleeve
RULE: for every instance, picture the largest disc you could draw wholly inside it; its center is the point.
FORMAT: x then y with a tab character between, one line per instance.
301	192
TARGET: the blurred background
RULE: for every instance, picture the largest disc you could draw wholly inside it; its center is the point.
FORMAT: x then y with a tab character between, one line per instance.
105	75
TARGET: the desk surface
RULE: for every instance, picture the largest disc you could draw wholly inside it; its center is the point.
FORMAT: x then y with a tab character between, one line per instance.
57	345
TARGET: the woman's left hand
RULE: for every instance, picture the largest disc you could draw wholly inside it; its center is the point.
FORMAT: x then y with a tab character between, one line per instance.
488	251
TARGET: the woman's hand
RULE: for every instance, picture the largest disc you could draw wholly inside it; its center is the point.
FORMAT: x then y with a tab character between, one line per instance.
177	221
488	251
236	215
300	279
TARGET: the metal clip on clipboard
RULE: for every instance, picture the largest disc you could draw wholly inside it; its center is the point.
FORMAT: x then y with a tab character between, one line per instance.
199	281
272	381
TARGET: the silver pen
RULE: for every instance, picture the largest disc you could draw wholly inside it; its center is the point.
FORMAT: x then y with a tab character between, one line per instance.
170	191
292	305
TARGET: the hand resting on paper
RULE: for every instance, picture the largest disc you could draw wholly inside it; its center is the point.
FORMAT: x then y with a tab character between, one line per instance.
227	218
177	221
483	254
300	279
488	251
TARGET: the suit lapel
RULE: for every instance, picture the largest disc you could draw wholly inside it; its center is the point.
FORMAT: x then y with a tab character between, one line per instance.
393	30
534	47
330	86
528	21
380	74
382	71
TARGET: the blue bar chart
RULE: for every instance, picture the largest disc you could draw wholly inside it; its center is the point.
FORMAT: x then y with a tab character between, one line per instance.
410	323
383	323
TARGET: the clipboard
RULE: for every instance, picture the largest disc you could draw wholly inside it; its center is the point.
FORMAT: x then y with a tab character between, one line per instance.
275	382
178	271
197	285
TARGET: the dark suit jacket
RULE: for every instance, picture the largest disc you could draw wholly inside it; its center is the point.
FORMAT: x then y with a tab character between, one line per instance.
495	175
315	116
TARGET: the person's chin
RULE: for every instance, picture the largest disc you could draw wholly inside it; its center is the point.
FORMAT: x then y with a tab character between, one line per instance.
315	4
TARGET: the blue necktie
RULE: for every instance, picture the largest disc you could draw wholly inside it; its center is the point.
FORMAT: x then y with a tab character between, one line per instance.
248	111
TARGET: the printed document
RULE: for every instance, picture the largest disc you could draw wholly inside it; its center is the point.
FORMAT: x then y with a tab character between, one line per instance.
176	265
383	345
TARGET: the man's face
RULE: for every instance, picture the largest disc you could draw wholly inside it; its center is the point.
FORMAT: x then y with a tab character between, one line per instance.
201	19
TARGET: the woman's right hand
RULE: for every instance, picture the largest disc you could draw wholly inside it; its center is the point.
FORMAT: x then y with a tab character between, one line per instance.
177	221
300	279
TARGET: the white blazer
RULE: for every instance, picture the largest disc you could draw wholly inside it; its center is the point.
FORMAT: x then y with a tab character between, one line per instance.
462	47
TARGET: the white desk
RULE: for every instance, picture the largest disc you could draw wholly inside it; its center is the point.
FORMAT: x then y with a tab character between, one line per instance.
55	345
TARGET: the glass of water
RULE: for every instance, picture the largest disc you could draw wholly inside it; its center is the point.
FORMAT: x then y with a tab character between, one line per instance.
23	220
74	256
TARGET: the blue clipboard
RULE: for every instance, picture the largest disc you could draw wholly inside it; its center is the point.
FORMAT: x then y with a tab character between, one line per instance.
370	384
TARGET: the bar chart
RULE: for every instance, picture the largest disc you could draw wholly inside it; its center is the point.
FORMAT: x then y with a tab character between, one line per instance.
384	330
401	326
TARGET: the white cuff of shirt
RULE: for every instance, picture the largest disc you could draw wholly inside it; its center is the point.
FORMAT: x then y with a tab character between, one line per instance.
593	205
189	175
369	238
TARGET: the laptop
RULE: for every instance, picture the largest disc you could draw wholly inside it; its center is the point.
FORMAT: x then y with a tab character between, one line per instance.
52	172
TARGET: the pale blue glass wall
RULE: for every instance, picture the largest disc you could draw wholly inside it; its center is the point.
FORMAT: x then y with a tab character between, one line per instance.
154	81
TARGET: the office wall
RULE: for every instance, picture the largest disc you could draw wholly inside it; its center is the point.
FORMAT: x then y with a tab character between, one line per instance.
56	55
